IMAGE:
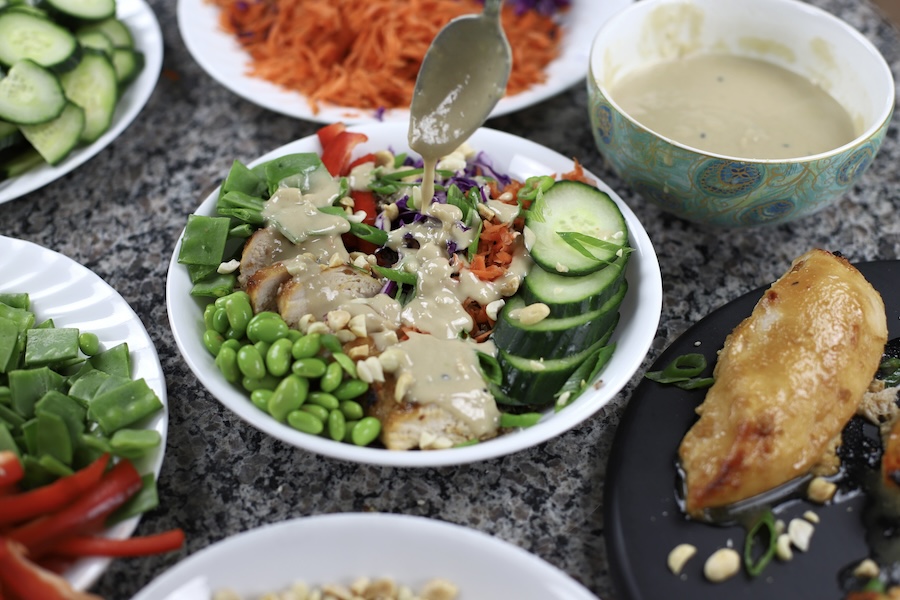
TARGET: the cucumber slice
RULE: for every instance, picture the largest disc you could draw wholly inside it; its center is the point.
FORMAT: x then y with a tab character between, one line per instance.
569	296
25	35
19	163
93	86
81	10
96	40
128	63
572	206
553	338
114	29
55	139
30	94
10	135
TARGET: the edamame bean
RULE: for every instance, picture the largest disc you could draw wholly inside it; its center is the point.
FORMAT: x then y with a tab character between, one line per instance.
365	431
294	335
260	399
287	397
353	411
233	334
307	346
222	300
89	343
351	388
263	348
226	361
278	357
267	329
239	313
213	340
305	422
312	368
332	378
346	363
317	411
269	382
233	344
332	343
324	399
337	425
250	362
208	313
348	431
220	321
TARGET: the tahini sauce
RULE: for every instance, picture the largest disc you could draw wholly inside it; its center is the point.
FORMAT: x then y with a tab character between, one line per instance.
735	106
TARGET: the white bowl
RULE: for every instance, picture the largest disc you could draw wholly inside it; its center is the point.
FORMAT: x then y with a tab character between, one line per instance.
342	548
519	158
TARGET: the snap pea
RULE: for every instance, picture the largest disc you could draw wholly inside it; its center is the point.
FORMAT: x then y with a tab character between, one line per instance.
226	361
351	388
278	357
307	346
332	378
260	398
365	431
287	397
352	410
305	422
213	341
324	399
309	367
319	412
337	425
250	362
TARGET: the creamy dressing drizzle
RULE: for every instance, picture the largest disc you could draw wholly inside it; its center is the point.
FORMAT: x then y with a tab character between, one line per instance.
296	214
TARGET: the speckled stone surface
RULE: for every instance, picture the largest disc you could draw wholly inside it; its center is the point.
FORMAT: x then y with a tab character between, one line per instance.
121	212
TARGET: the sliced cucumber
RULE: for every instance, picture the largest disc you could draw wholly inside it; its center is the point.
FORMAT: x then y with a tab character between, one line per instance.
30	94
569	296
93	86
128	63
81	10
96	40
10	135
553	338
114	29
579	208
55	139
27	36
19	163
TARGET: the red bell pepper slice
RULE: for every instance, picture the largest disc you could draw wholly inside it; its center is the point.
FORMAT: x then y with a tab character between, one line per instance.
27	505
20	578
167	541
11	471
336	153
365	158
329	132
85	515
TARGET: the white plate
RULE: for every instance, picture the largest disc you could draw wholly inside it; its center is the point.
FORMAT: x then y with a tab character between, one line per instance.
514	156
220	55
341	548
73	296
139	18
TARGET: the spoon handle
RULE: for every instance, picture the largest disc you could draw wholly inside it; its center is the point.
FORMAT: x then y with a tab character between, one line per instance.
492	8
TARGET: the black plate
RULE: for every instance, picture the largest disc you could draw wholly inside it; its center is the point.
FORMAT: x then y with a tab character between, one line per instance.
643	521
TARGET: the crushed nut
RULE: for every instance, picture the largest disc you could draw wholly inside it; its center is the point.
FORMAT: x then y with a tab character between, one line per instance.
531	314
679	556
783	547
318	327
820	490
345	336
800	531
391	212
811	516
361	262
486	212
493	308
390	359
337	319
336	260
228	267
357	325
375	369
404	382
867	568
439	589
363	372
722	564
347	202
561	268
505	197
305	321
359	352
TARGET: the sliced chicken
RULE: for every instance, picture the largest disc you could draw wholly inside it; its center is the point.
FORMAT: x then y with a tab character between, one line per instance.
263	286
262	249
318	291
787	380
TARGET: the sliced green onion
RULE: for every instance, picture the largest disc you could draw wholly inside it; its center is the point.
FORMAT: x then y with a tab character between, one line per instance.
490	367
763	528
402	277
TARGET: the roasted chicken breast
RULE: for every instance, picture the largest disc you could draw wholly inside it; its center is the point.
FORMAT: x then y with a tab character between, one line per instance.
787	380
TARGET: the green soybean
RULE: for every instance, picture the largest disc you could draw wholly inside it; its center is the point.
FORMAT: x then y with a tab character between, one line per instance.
250	362
337	425
350	389
208	313
287	397
233	344
319	412
309	367
223	300
348	431
239	313
266	329
294	335
260	399
213	340
89	343
220	320
332	378
324	399
263	348
353	411
269	382
307	346
365	431
305	422
332	343
278	357
226	361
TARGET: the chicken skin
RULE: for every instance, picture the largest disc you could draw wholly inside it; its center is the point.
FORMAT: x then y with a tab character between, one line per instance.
787	380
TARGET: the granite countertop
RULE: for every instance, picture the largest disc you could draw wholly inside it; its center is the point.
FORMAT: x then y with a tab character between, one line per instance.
120	214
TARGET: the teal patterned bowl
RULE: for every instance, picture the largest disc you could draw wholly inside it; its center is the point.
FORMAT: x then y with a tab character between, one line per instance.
730	191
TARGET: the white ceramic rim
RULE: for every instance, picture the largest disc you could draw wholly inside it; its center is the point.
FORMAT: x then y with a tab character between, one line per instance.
142	23
321	549
883	115
640	315
221	57
75	296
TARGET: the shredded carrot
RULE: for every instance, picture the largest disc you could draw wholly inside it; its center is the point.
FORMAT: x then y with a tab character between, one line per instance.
367	53
577	174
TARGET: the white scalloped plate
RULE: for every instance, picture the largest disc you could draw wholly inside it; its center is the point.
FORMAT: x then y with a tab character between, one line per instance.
220	55
142	23
512	155
343	547
73	296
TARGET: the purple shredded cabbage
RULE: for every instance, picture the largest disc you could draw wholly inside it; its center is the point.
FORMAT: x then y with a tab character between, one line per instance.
379	113
483	162
389	288
452	248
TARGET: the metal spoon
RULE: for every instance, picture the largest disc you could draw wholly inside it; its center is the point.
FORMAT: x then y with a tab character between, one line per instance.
463	75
